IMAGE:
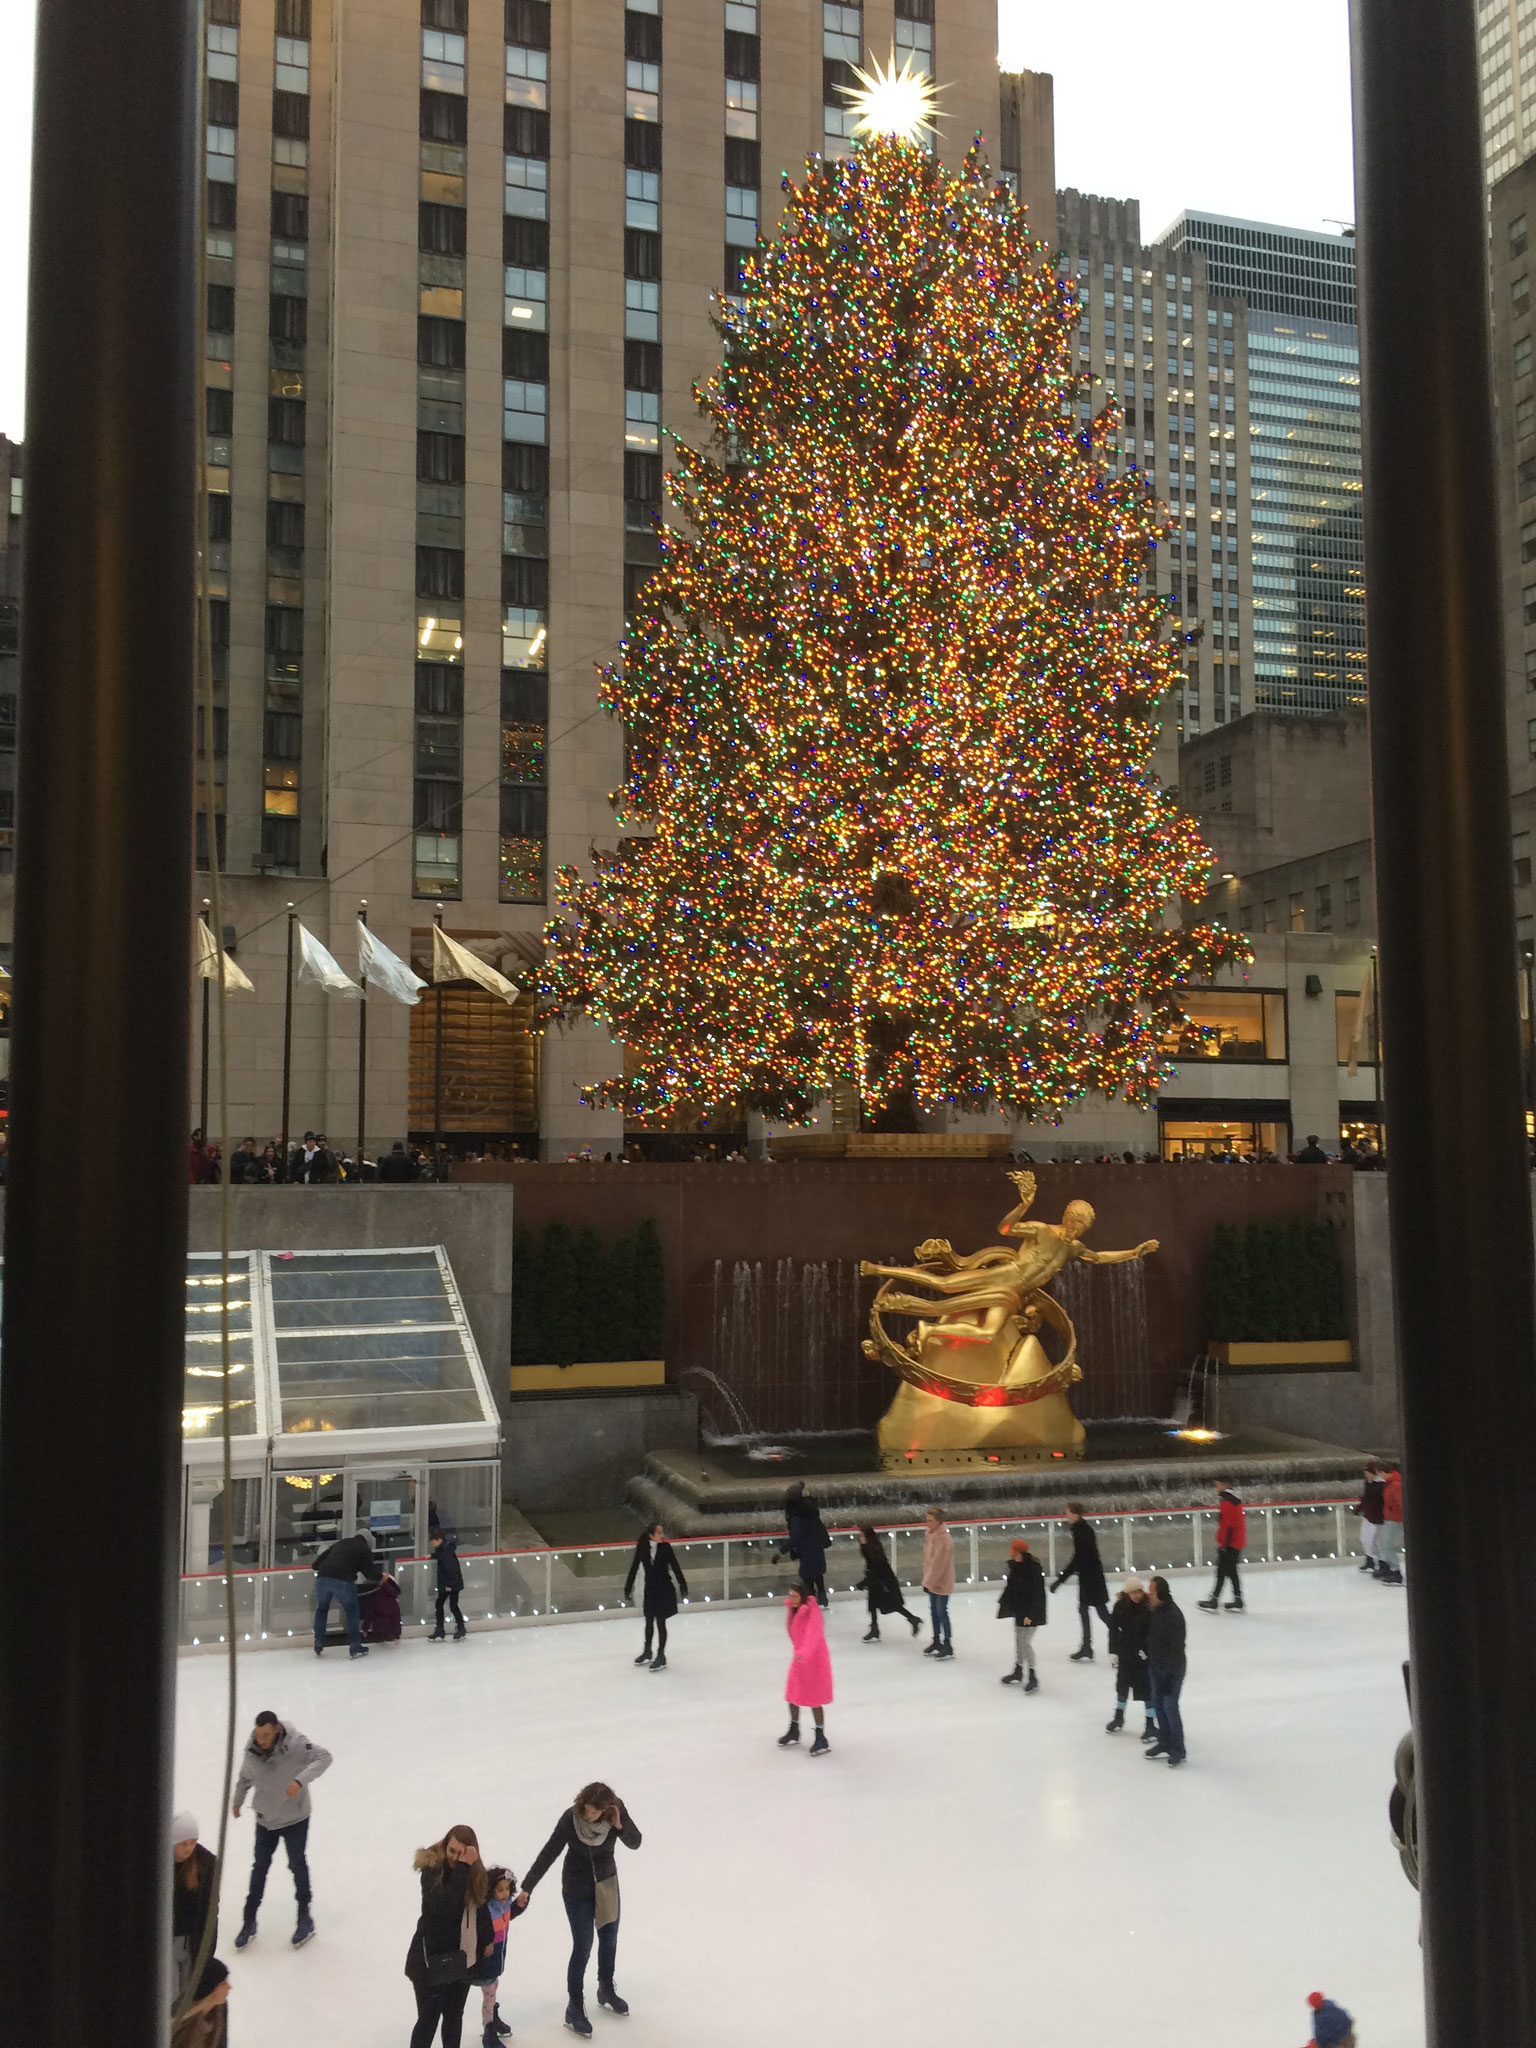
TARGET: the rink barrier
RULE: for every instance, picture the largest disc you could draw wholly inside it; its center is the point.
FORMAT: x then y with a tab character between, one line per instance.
535	1586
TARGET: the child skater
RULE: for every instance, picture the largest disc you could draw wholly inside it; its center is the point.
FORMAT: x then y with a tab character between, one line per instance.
810	1667
1023	1603
503	1908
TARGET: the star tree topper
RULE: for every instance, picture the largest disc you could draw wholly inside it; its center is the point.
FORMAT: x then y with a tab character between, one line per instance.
901	104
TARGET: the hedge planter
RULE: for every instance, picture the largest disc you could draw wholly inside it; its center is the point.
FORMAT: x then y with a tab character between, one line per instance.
570	1379
1333	1355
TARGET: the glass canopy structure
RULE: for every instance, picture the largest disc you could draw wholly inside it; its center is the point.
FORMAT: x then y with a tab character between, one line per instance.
358	1401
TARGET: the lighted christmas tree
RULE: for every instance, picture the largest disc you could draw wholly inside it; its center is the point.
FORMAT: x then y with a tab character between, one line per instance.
891	814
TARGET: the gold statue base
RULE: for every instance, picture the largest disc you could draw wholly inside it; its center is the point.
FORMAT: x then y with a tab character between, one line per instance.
918	1422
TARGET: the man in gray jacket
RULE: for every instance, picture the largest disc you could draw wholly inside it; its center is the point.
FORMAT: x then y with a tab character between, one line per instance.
277	1769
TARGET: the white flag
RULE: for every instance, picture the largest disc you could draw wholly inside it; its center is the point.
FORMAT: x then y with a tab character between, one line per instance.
316	965
208	961
1358	1040
453	962
384	969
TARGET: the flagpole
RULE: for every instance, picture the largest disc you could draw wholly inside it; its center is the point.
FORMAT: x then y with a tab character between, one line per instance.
437	1065
1381	1093
202	1106
362	1049
287	1039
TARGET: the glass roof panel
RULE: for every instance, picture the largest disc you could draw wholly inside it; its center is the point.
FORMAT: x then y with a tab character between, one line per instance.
203	1369
357	1291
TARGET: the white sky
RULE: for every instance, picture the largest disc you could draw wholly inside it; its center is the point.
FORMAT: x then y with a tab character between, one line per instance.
1237	106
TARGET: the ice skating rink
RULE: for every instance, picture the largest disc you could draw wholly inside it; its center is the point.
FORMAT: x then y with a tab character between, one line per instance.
966	1865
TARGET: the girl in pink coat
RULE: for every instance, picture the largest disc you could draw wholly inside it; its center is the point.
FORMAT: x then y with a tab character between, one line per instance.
810	1668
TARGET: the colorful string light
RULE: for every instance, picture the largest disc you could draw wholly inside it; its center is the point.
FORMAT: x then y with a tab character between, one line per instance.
891	704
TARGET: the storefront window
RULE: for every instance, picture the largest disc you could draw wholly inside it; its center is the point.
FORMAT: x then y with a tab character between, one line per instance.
1225	1140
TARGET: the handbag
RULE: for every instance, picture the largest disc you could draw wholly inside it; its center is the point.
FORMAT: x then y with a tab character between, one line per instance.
447	1968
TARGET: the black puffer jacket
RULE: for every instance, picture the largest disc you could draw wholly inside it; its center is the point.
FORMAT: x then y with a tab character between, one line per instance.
1165	1637
1023	1596
439	1930
1128	1621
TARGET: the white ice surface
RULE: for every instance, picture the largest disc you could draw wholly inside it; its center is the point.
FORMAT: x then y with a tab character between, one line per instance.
966	1865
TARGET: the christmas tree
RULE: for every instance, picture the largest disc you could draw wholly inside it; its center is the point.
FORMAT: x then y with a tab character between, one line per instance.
890	814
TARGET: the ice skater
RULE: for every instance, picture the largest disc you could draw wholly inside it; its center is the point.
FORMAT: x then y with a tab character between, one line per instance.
589	1885
880	1585
810	1668
192	1887
1332	2026
337	1571
1231	1541
1369	1509
1092	1593
502	1909
1389	1543
278	1768
1128	1621
453	1934
1165	1672
450	1584
806	1539
655	1557
1023	1602
938	1581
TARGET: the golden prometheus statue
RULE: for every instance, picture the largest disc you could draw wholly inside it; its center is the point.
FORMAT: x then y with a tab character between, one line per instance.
975	1376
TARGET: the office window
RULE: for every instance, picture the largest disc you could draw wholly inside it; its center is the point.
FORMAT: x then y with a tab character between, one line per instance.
1523	356
741	108
1351	899
914	42
1521	846
1520	292
842	33
524	639
524	814
527	187
526	301
1229	1024
1530	738
1517	235
527	21
1208	775
1528	603
290	68
525	131
642	416
642	34
1525	415
1324	907
741	214
439	689
741	17
439	229
642	91
1298	913
439	343
442	61
527	77
1271	915
1225	777
440	572
642	310
439	458
280	784
221	155
642	200
444	117
642	366
285	523
642	253
525	408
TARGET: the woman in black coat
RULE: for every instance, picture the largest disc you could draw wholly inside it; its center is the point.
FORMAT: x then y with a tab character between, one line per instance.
807	1538
1092	1593
452	1934
1128	1621
654	1556
1023	1603
880	1585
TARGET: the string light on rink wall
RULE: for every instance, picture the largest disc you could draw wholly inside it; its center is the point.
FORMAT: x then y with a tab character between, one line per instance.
891	700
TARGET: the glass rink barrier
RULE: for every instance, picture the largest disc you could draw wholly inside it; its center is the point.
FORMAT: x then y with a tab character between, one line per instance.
509	1588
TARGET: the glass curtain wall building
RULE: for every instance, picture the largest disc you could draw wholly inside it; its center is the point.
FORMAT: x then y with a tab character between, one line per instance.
1304	454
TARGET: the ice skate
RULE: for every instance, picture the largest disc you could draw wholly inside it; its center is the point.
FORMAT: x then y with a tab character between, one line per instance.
460	1633
1032	1683
305	1931
1236	1607
873	1635
496	2026
438	1635
606	1995
821	1746
644	1656
247	1932
659	1661
915	1625
576	2019
1083	1656
1113	1726
791	1735
1209	1606
1013	1677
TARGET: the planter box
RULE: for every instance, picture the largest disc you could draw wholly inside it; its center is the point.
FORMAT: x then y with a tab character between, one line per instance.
1332	1355
568	1379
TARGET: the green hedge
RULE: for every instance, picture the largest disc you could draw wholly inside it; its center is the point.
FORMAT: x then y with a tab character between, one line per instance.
1275	1283
577	1300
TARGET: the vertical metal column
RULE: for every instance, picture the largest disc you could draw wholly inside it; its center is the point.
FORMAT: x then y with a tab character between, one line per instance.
95	1293
1461	1200
287	1041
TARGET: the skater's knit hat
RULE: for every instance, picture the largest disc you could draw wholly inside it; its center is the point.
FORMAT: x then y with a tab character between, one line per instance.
1331	2024
184	1827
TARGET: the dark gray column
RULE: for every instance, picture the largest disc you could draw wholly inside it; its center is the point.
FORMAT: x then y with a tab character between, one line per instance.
95	1241
1461	1204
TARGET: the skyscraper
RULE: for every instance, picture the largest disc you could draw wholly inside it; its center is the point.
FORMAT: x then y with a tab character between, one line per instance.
461	262
1304	460
1168	343
1506	61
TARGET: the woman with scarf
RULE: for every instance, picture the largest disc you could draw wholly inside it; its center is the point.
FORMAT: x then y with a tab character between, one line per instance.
655	1557
452	1935
589	1885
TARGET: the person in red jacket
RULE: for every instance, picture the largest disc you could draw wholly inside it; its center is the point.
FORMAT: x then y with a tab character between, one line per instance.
1231	1541
1389	1544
